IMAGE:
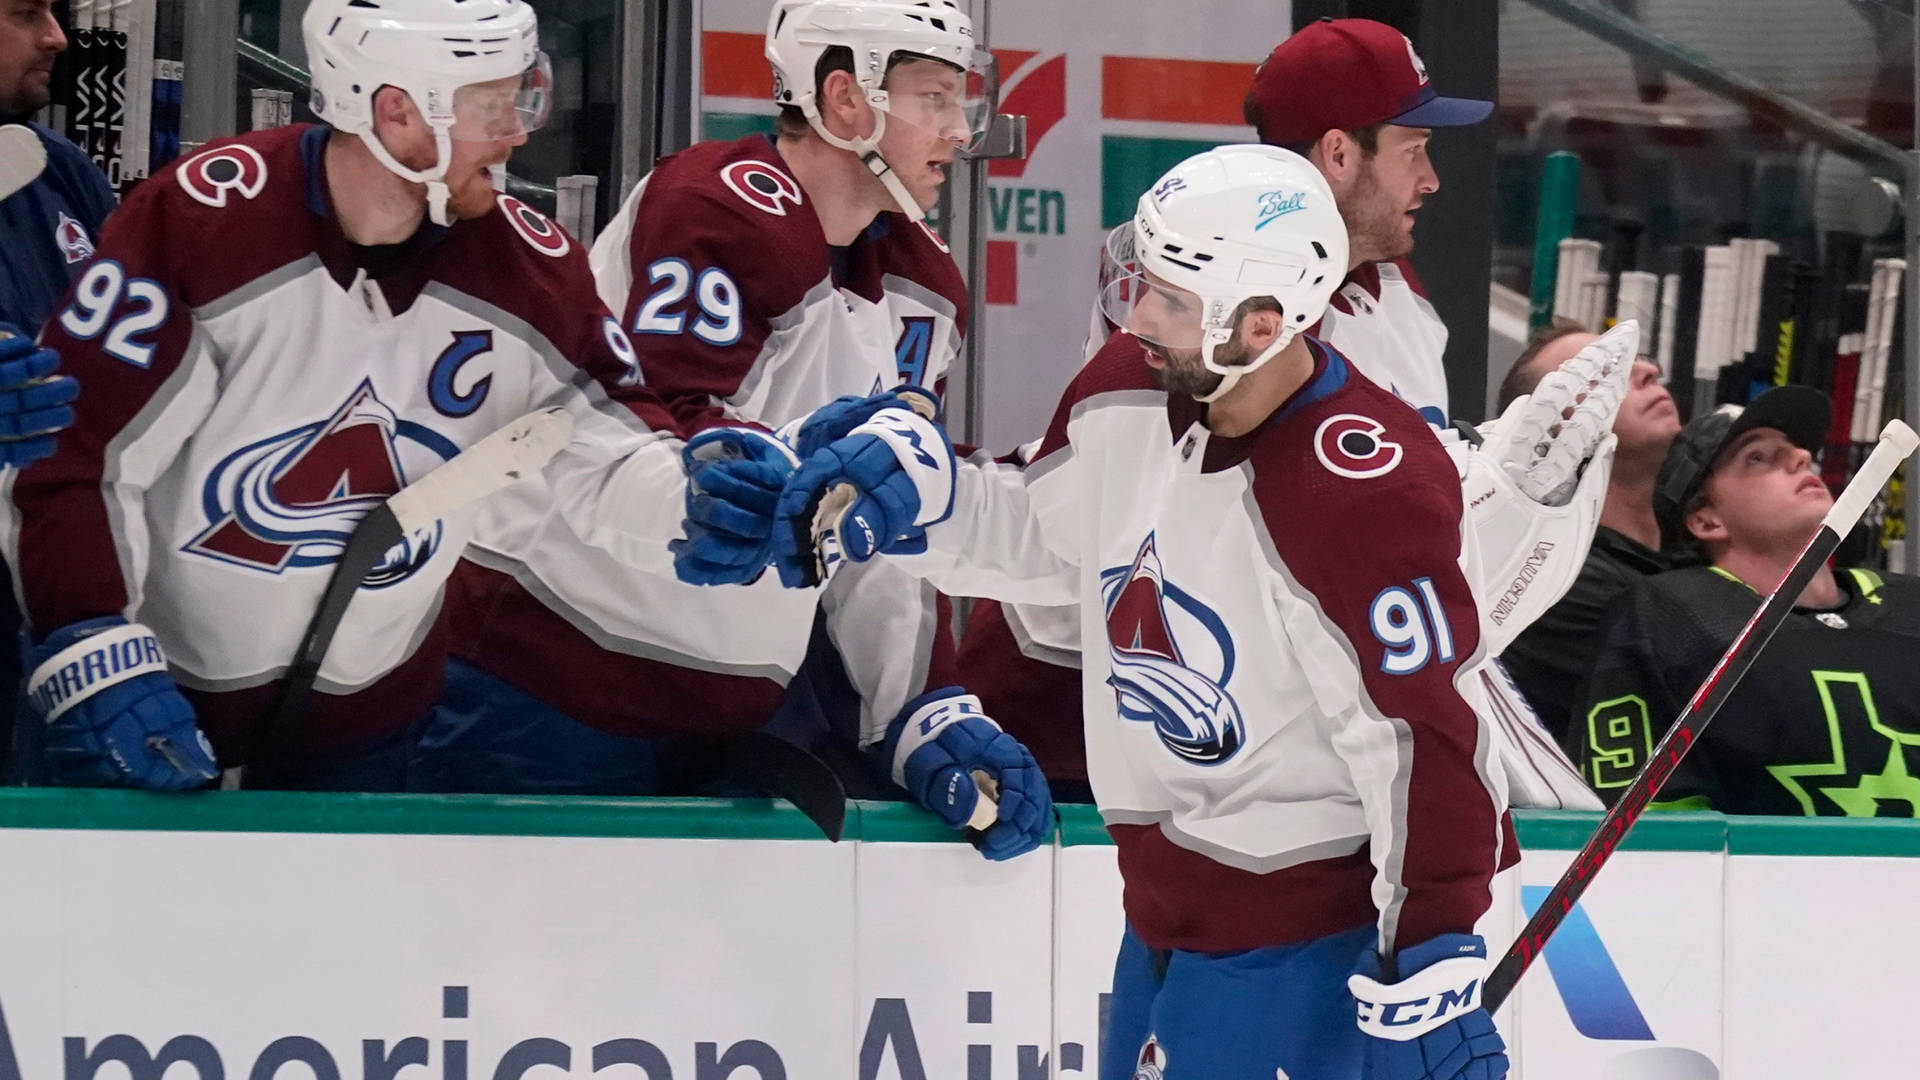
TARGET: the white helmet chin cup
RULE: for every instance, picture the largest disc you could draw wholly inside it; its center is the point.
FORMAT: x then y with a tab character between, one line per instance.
1233	224
875	32
427	48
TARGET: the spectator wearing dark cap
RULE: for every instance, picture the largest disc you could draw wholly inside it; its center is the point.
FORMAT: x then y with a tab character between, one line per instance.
1550	657
1827	721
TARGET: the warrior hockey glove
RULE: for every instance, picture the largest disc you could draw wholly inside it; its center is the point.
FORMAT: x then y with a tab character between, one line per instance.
734	480
1429	1025
34	402
114	717
1543	437
938	744
874	491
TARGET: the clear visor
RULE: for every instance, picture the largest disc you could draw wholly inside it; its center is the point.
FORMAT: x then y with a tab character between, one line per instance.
1152	310
507	108
958	106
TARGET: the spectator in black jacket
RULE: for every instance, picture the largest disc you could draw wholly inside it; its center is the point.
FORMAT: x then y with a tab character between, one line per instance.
1550	658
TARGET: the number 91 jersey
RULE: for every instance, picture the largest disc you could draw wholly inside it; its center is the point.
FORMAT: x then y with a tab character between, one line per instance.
740	308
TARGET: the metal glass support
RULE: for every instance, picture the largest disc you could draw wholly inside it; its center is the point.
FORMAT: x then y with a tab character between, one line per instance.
208	103
1910	369
1642	43
1007	138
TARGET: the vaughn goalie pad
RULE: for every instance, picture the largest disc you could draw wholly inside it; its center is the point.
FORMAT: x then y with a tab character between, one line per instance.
1534	487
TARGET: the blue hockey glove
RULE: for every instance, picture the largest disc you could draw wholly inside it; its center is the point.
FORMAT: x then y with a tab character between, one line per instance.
734	480
874	491
838	418
943	749
1429	1025
34	402
114	717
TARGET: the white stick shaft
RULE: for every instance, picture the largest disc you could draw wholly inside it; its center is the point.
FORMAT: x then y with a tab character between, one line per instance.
1897	443
514	451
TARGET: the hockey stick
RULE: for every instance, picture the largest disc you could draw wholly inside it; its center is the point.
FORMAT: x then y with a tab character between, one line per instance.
778	767
501	458
1897	442
23	157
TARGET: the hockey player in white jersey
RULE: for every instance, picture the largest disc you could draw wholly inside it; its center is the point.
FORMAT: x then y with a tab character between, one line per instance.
761	278
1355	99
280	331
1268	549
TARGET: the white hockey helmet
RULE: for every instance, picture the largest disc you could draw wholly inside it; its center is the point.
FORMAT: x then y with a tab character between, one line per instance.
1232	224
435	51
876	33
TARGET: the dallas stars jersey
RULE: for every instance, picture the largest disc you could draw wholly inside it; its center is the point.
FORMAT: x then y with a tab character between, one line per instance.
250	393
740	311
1279	629
1826	722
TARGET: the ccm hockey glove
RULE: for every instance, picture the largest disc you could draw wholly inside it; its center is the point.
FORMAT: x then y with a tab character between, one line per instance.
1429	1025
944	750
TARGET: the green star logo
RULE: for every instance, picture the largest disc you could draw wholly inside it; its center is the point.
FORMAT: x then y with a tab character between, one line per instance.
1892	784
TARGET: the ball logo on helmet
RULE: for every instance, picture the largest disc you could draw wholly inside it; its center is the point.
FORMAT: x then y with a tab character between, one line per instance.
1275	205
1353	446
1167	187
764	187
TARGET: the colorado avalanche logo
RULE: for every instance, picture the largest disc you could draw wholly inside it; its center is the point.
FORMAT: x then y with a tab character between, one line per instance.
292	500
1353	446
1153	678
762	186
72	240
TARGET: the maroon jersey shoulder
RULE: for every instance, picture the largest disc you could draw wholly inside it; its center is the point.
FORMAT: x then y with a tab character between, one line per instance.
913	251
733	205
226	215
1353	445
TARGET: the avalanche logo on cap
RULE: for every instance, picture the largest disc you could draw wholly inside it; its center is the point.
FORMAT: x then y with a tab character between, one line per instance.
1419	68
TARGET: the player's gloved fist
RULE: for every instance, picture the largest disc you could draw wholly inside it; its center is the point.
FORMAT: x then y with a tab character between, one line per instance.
871	492
1544	436
944	750
34	402
114	717
734	480
1429	1025
838	418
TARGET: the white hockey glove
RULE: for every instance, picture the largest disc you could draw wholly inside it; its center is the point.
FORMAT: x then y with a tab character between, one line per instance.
1531	507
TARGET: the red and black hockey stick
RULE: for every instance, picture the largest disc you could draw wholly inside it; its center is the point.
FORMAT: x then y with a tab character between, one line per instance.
1897	443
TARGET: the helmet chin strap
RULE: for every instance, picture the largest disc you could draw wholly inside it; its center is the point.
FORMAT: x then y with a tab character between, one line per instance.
868	150
434	178
1232	375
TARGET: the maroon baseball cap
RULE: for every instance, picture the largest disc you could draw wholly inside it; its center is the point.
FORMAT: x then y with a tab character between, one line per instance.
1347	74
